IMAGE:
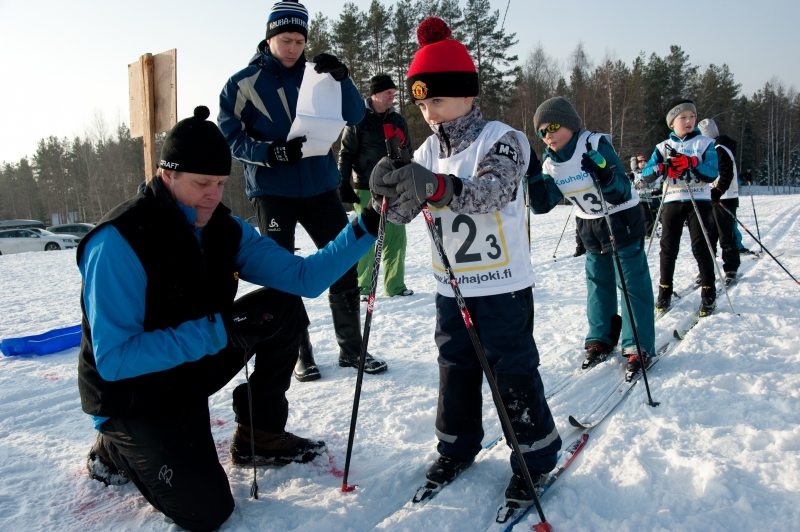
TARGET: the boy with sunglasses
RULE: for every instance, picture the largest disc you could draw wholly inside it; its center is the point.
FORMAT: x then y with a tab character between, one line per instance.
575	164
685	158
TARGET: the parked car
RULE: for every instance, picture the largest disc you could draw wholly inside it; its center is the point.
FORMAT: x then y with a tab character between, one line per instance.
45	232
22	240
79	230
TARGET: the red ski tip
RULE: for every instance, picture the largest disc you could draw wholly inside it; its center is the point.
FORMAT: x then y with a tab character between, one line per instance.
348	489
543	527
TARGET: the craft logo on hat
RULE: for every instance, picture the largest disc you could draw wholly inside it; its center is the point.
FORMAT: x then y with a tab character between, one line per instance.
419	90
168	165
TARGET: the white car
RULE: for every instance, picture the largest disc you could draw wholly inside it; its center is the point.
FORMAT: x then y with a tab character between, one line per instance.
22	240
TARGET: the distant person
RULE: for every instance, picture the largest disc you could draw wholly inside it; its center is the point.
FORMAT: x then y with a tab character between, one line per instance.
256	110
363	145
725	192
162	332
685	157
648	193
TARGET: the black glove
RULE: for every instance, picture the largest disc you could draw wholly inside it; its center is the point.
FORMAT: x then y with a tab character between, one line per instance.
716	194
371	219
285	152
248	327
328	63
377	183
347	194
595	164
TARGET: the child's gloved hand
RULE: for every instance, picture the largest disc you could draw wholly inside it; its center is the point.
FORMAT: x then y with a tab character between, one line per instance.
595	164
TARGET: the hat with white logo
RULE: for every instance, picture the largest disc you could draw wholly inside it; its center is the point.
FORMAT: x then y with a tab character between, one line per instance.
197	146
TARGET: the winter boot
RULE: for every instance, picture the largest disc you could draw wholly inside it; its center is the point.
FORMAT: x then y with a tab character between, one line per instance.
517	493
730	277
272	448
635	362
698	279
664	299
347	324
595	353
745	251
306	369
101	467
708	300
445	469
579	252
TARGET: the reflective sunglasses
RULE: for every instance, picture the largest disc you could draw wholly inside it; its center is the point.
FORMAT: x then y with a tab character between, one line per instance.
552	128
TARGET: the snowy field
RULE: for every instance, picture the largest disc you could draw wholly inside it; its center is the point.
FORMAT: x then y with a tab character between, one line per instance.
721	453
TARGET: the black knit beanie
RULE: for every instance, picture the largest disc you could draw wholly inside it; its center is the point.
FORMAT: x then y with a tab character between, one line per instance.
197	146
286	17
380	83
557	110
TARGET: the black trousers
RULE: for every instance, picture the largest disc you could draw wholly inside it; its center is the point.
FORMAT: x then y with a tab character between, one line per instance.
673	215
322	217
171	457
722	228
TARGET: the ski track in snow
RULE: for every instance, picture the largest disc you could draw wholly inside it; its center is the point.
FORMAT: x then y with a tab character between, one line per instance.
719	453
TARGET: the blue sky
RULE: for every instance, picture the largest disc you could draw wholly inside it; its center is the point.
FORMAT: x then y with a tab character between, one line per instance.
64	63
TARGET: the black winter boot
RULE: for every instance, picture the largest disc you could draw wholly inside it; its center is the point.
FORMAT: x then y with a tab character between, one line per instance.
345	310
708	300
664	299
272	448
445	469
306	369
517	493
101	467
595	353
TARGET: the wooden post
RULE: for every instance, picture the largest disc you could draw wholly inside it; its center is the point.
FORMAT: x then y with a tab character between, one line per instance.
152	87
148	101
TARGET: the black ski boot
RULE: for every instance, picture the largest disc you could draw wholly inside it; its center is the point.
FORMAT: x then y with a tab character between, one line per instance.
306	369
347	325
595	353
635	362
708	300
272	448
442	472
101	467
730	278
698	279
517	492
664	300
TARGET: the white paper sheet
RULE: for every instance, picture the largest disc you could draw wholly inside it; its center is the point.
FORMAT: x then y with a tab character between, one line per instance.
319	112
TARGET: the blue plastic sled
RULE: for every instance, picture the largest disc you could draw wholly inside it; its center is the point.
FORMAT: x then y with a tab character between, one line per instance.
42	344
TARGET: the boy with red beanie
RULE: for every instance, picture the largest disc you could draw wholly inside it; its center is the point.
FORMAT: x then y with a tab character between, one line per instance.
469	172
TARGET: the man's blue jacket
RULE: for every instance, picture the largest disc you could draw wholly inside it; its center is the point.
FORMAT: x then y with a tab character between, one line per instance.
257	106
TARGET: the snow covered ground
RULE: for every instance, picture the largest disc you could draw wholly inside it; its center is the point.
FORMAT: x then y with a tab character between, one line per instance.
720	453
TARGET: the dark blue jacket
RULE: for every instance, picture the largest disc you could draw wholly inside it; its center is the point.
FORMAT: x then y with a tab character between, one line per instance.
257	106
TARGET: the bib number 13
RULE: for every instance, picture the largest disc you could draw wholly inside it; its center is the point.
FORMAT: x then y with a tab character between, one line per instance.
589	203
462	222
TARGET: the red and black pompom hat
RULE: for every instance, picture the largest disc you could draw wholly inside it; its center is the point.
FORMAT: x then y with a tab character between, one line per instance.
442	67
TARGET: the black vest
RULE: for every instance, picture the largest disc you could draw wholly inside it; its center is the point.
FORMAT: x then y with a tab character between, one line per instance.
186	280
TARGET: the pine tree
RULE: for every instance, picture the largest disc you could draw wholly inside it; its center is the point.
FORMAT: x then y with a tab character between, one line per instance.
378	35
348	36
319	36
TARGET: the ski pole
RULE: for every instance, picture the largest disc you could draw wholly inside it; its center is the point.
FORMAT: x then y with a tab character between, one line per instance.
753	203
527	210
624	285
476	343
759	242
658	215
564	229
376	266
705	233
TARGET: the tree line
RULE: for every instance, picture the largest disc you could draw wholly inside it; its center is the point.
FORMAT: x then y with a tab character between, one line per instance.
83	178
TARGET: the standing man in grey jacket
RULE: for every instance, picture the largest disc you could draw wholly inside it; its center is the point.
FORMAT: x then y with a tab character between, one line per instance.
257	107
363	145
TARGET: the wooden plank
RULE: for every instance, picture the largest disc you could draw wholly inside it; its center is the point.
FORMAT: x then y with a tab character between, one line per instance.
149	119
135	99
166	94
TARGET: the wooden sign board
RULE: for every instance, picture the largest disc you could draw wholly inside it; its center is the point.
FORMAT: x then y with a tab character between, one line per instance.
165	97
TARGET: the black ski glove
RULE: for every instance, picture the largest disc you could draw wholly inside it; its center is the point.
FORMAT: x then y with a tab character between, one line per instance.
285	152
716	194
595	164
330	64
248	327
377	183
371	219
347	194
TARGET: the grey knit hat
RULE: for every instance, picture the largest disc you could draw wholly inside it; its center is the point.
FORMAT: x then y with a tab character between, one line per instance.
708	128
557	110
676	107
